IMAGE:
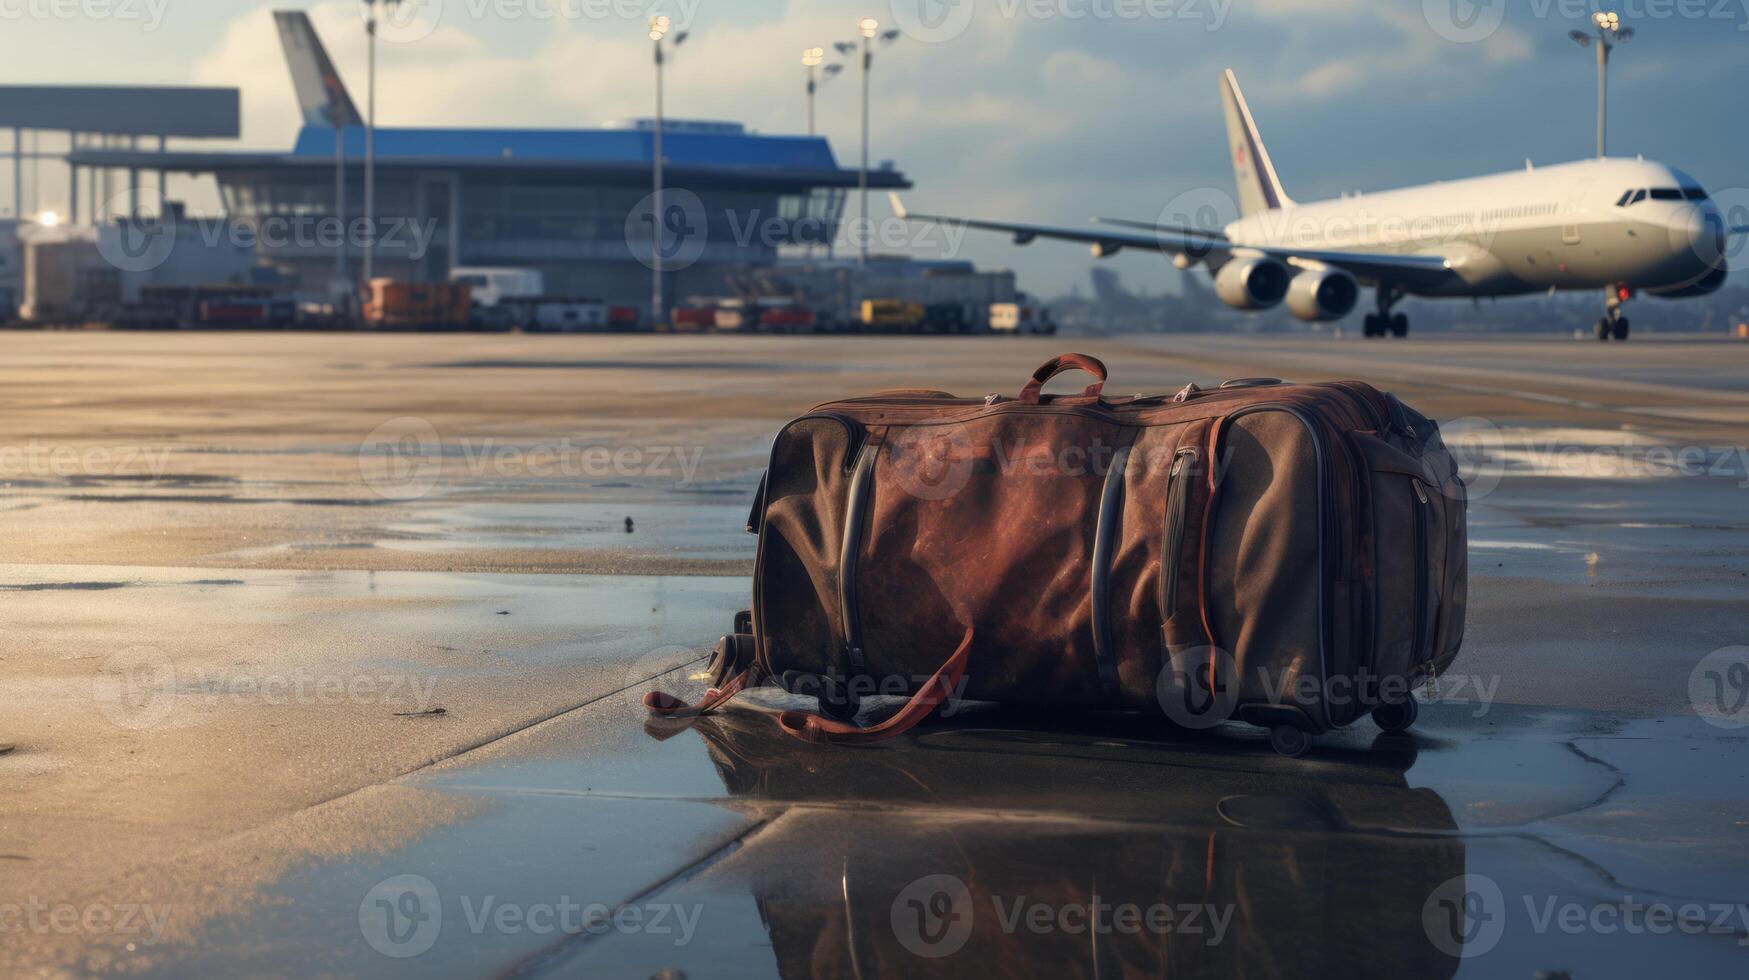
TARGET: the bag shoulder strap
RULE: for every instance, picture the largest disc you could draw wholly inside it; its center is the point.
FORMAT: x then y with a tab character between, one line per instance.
809	727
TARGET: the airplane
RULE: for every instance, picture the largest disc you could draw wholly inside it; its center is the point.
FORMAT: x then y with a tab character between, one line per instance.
1623	226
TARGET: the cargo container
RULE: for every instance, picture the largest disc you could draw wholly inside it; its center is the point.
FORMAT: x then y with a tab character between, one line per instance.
558	314
891	314
392	304
622	318
788	319
734	315
692	319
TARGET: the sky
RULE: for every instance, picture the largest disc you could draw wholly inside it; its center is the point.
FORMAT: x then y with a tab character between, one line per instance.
1049	111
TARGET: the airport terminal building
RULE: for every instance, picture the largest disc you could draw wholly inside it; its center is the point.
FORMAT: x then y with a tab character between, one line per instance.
554	200
565	202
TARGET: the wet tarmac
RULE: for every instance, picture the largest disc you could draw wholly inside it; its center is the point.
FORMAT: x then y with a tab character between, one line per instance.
399	734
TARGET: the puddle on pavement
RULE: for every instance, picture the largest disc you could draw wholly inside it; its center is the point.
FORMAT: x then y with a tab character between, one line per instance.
690	530
725	848
1683	535
503	621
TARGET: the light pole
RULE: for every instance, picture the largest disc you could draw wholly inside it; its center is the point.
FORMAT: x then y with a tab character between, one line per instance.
868	28
659	25
811	59
341	279
370	141
1610	33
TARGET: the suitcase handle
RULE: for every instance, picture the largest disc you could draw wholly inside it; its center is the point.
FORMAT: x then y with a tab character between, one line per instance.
1029	395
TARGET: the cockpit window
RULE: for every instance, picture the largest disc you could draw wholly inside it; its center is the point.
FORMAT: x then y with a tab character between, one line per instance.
1639	195
1693	194
1622	202
1666	194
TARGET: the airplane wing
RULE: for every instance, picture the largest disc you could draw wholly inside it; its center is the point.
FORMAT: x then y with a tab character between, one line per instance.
1416	271
1156	226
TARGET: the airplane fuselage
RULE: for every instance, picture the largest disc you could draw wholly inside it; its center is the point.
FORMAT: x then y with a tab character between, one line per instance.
1584	225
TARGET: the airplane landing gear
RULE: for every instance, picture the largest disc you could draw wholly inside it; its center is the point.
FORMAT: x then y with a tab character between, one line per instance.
1384	321
1613	324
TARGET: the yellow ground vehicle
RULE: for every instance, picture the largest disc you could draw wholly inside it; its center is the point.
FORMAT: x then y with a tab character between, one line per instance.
890	314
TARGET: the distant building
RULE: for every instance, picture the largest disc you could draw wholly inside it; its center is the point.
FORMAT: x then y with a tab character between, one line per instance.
565	202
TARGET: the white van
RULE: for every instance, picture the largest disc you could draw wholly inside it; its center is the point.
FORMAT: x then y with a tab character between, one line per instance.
492	285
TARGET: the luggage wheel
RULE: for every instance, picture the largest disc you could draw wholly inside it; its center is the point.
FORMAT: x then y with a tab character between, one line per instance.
1397	717
1289	740
836	702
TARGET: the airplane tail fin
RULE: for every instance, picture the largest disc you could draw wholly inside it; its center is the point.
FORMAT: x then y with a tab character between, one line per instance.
1259	188
321	94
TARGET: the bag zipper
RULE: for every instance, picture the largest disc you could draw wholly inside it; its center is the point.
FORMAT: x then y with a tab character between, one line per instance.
850	549
1421	575
1172	551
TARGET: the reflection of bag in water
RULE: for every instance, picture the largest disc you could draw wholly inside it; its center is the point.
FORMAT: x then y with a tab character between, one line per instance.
1041	854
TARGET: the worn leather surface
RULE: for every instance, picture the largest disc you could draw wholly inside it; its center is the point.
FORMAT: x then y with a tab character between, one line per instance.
1297	541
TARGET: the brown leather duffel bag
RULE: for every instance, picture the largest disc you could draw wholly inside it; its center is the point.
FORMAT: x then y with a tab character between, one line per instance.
1289	555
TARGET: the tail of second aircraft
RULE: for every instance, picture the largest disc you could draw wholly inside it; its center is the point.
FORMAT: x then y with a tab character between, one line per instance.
321	95
1259	188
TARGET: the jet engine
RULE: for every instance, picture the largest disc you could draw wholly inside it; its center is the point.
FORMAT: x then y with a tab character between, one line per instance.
1322	294
1252	283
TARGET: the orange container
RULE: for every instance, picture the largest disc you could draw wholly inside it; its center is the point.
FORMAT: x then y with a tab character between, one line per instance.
418	305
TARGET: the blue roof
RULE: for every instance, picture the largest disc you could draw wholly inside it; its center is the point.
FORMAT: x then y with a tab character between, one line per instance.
627	146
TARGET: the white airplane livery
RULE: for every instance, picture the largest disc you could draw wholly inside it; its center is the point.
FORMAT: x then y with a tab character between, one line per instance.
1623	226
